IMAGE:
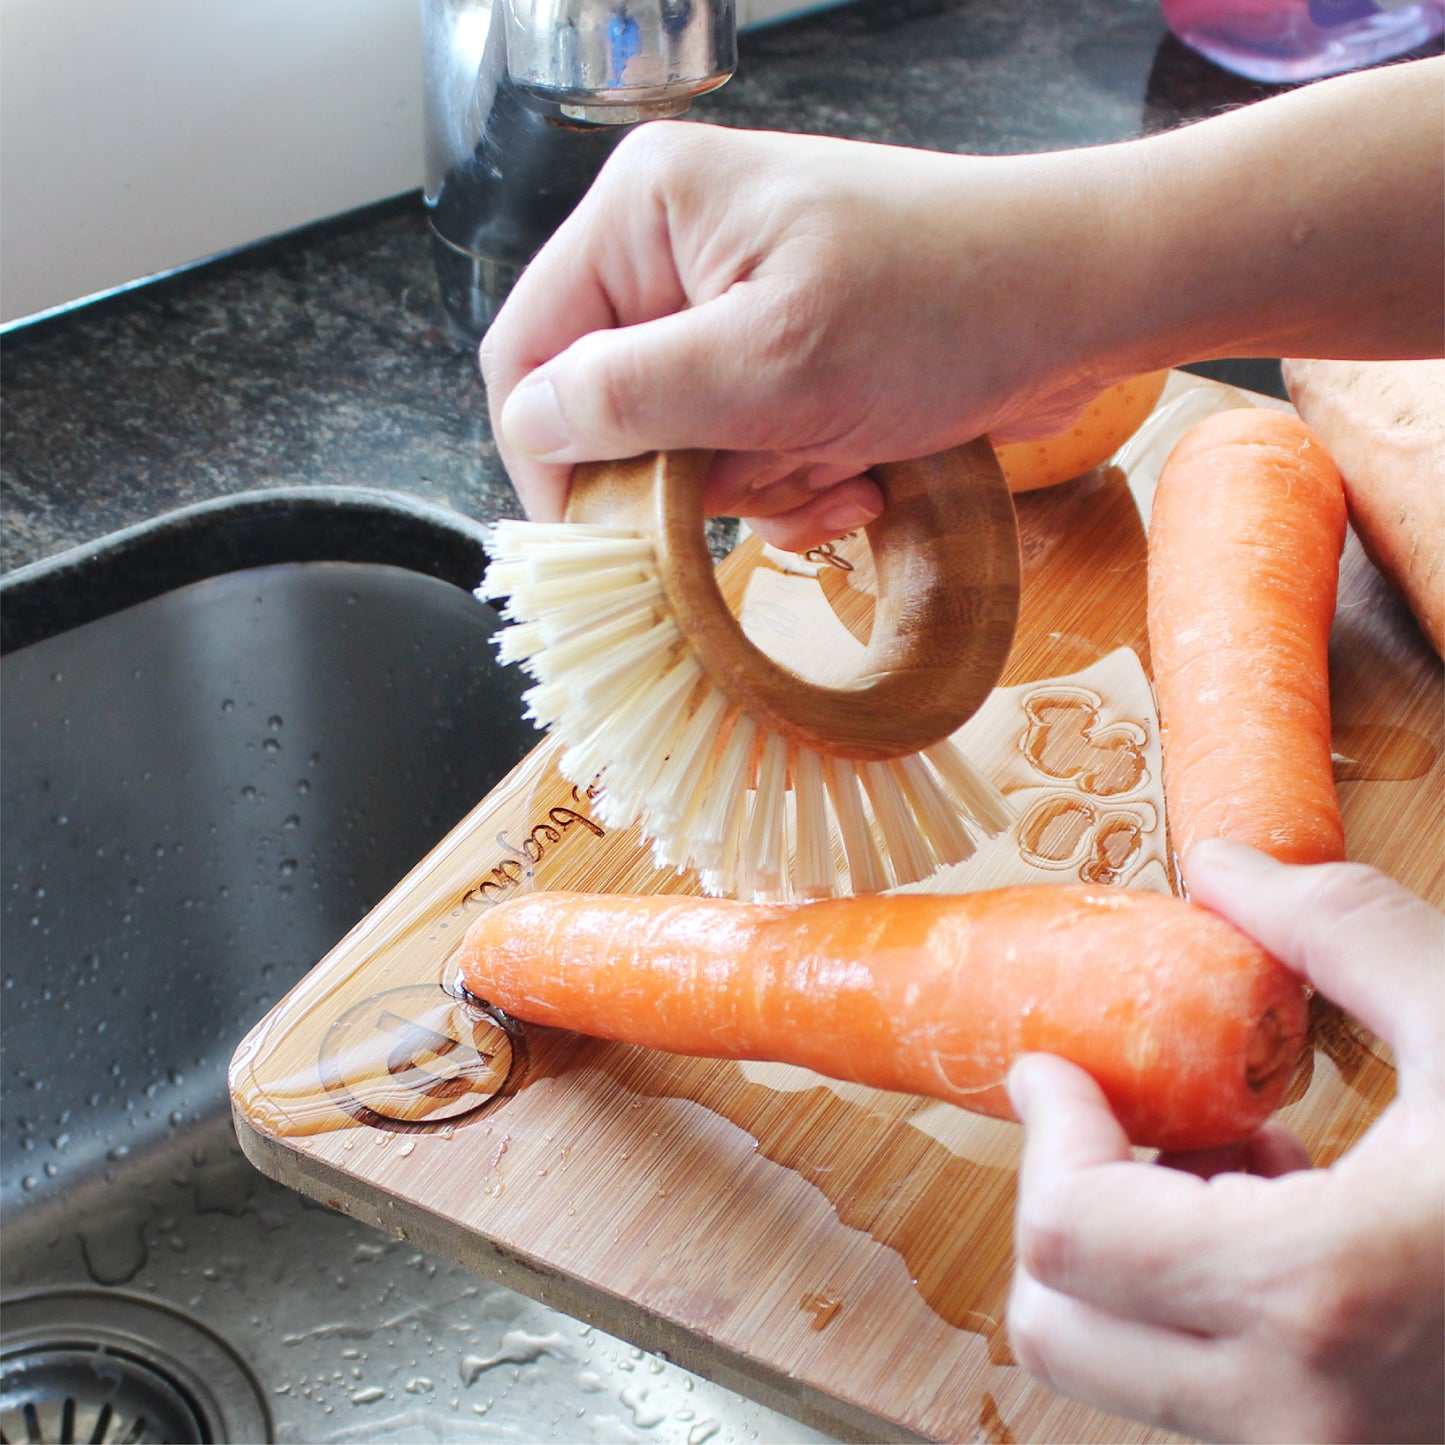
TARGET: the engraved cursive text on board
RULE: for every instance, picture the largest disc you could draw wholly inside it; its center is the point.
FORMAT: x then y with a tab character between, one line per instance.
522	857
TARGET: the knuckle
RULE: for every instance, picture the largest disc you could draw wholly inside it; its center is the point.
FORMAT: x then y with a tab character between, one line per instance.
1347	900
1352	886
611	403
1043	1239
611	395
653	152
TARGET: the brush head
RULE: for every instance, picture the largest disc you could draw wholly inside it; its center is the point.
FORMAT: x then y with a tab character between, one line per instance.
766	784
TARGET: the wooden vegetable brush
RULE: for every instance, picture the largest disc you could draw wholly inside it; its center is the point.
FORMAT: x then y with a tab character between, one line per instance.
733	764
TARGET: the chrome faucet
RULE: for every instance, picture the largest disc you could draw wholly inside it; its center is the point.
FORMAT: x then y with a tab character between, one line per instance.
525	100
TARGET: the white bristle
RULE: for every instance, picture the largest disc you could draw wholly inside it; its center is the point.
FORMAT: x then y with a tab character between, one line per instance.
520	642
909	858
727	791
765	841
616	679
682	783
641	740
588	555
598	689
644	602
866	873
942	826
581	646
973	792
531	598
814	873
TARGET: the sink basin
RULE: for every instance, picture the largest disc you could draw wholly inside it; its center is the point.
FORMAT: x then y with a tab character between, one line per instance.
227	734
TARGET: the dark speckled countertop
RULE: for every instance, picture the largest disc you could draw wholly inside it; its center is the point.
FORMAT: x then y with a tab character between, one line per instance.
321	358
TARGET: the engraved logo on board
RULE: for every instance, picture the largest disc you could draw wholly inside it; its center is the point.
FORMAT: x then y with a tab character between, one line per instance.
418	1056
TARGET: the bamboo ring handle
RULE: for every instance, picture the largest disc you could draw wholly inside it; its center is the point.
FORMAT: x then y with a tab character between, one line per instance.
946	553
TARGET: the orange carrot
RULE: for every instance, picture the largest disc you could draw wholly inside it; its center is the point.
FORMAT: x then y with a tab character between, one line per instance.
1244	547
1189	1027
1103	426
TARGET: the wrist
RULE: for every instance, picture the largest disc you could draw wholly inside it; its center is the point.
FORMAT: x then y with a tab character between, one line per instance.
1038	299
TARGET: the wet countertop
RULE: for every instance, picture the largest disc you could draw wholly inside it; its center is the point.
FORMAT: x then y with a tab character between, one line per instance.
321	358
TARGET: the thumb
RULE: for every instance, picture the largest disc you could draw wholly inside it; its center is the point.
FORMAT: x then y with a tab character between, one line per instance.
694	378
1370	945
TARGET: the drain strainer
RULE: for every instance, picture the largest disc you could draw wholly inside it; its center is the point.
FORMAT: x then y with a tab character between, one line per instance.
115	1369
93	1393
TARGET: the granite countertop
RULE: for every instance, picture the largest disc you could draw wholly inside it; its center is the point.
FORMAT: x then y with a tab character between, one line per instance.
321	358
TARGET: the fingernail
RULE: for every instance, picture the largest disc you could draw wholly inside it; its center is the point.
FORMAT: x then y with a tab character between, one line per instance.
847	516
532	419
1226	856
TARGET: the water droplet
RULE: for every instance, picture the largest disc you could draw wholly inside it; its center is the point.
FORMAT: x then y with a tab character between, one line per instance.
369	1396
114	1250
644	1416
228	704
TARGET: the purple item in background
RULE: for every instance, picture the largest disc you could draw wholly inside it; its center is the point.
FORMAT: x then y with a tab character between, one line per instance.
1294	40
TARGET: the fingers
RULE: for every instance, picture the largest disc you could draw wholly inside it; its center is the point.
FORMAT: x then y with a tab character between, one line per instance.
843	508
680	380
765	483
1140	1242
1273	1151
1159	1375
1370	945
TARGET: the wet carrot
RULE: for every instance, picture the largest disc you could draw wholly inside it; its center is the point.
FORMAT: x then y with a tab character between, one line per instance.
1189	1027
1244	546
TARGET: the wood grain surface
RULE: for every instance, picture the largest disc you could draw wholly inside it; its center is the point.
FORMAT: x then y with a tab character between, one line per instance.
947	555
838	1253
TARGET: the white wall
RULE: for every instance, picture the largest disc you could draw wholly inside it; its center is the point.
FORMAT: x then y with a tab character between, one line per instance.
141	135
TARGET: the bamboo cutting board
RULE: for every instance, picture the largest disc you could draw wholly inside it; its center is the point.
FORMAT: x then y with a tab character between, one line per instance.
839	1253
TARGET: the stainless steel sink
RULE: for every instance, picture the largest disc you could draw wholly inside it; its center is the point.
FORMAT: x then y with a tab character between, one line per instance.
226	735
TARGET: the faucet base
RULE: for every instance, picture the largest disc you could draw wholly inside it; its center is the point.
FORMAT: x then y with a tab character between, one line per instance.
473	288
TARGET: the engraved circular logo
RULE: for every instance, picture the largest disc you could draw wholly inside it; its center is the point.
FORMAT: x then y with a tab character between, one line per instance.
417	1056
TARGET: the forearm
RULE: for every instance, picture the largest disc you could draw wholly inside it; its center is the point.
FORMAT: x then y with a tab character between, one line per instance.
808	307
1308	225
1311	224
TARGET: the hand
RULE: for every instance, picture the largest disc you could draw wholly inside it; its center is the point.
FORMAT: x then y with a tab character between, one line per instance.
810	307
813	306
1243	1295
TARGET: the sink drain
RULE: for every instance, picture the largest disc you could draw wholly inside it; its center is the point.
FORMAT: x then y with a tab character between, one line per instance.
114	1369
93	1393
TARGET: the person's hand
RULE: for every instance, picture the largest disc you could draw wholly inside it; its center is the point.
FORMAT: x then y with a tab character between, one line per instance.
1243	1295
810	306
